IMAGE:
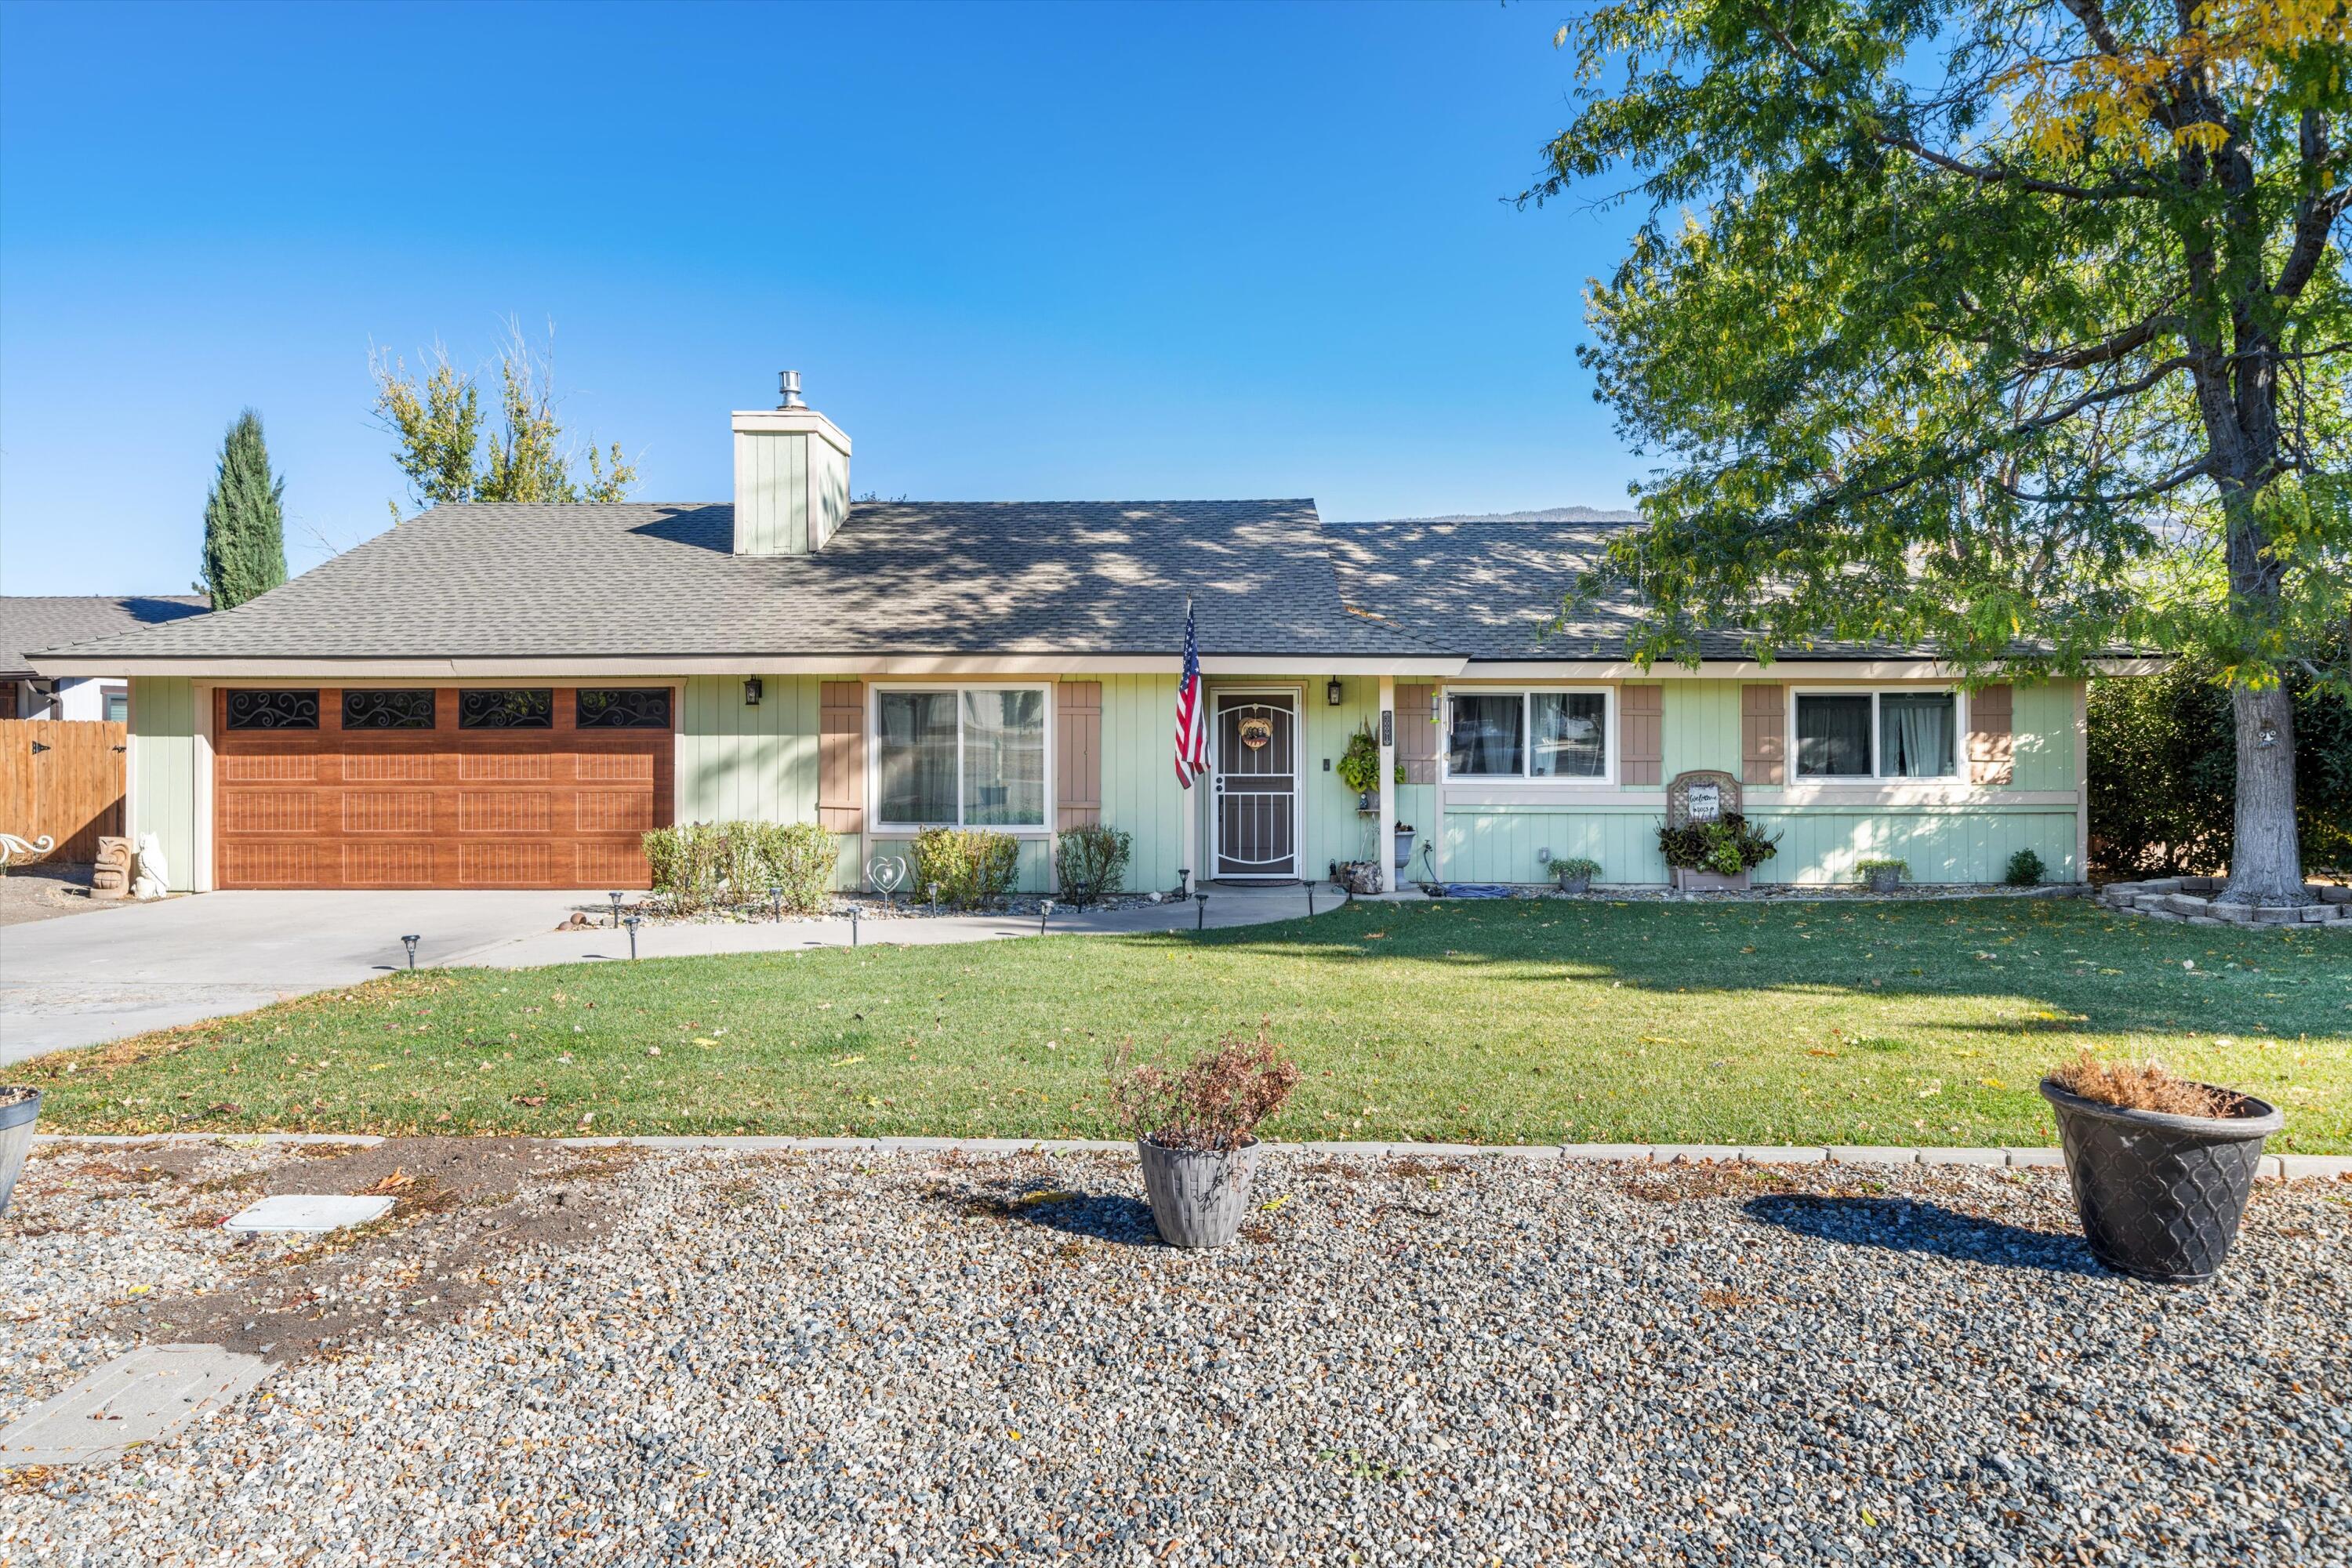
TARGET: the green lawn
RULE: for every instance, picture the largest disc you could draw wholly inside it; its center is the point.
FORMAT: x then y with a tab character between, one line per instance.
1477	1022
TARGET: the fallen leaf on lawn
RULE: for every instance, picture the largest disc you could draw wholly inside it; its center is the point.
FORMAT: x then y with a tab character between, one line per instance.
704	1040
1817	1051
226	1108
847	1061
378	1066
1992	1083
533	1100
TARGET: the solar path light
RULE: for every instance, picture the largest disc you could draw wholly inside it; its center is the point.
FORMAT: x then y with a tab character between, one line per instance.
410	942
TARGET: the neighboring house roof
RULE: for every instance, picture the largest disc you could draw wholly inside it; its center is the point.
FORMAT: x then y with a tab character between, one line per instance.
32	623
1492	588
631	580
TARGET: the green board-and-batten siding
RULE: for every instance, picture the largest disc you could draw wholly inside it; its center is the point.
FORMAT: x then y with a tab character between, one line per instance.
160	775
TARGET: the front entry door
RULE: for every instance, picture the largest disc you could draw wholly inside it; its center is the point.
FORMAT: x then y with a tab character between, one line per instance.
1254	806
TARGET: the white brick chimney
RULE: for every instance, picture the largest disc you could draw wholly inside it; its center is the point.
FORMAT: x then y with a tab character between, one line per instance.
791	475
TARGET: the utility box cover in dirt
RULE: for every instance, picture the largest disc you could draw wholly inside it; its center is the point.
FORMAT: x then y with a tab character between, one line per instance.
308	1211
135	1398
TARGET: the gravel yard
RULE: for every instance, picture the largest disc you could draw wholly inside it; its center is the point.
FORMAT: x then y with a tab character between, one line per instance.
549	1354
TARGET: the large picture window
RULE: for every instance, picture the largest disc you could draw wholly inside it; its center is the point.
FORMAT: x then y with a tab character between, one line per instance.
1559	736
1900	734
961	757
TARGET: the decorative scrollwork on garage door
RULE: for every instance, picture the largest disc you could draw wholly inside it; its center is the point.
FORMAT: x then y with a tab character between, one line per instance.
399	709
273	710
625	708
522	708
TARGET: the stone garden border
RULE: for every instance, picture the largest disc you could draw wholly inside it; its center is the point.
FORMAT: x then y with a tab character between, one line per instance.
2274	1167
2189	900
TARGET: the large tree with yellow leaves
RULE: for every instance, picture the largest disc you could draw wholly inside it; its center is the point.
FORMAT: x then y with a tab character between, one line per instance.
2018	329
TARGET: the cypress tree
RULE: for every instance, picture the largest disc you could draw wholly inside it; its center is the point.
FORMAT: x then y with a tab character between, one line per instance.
245	519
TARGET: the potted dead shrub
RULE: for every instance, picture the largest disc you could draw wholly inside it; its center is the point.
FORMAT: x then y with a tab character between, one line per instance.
2161	1165
19	1108
1195	1130
1882	876
1404	835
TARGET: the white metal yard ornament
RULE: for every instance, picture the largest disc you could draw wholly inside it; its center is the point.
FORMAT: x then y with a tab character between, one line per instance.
887	871
155	873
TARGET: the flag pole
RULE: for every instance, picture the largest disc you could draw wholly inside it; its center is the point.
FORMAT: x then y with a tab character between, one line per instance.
1189	805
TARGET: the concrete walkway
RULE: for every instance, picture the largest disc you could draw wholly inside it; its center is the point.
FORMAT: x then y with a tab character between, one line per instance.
111	974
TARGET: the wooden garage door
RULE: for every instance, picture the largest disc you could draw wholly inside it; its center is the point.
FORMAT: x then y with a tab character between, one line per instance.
521	787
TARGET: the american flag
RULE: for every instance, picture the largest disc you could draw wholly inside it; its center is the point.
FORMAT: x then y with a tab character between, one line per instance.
1192	715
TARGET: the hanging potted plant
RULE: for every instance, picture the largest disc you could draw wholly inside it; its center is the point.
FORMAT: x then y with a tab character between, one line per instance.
20	1106
1195	1130
2161	1165
1718	855
1360	769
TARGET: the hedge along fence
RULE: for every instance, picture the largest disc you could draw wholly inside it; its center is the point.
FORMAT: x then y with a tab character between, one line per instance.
697	864
2163	753
970	867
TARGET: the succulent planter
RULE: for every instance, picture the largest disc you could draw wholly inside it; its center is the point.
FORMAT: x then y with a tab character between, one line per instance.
1688	879
1198	1198
2161	1195
1579	883
19	1108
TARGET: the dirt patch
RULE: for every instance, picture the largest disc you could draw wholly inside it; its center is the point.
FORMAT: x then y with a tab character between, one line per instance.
466	1215
1682	1181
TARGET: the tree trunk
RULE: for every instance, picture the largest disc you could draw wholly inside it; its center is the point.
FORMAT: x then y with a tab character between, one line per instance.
2265	862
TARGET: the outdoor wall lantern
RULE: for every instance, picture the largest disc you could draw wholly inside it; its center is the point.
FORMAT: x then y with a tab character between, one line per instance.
1333	692
751	691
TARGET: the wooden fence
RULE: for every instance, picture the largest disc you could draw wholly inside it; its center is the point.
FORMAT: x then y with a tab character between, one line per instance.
61	779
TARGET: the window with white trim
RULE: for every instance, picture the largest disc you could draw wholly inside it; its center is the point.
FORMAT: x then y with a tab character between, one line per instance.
1554	736
1900	734
960	756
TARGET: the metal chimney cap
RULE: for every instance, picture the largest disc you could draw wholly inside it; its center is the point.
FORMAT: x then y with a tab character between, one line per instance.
788	382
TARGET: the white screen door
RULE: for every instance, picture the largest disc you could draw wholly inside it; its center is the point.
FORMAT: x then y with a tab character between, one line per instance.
1255	801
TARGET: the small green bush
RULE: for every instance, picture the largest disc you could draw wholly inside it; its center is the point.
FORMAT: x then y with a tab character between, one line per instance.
1570	868
697	864
685	862
2025	869
971	866
1090	861
1867	868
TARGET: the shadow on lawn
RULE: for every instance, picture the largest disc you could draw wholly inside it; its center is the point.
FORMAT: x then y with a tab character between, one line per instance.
1895	1225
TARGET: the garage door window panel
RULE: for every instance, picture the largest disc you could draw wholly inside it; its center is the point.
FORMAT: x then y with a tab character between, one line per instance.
393	710
622	708
518	708
257	709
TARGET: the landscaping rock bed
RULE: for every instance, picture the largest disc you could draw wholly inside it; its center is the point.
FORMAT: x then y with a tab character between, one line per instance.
939	1358
655	911
2193	899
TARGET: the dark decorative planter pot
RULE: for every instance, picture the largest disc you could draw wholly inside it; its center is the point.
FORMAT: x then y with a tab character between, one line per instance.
2160	1196
1568	884
1197	1199
1885	881
1688	880
19	1108
1404	850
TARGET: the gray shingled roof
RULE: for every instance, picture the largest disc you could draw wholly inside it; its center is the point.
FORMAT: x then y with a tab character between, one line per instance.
30	623
1489	588
637	580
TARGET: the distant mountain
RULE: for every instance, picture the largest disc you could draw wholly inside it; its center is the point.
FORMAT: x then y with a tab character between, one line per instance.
1549	514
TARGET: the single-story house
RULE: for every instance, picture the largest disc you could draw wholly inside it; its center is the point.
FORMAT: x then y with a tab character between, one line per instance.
35	621
503	695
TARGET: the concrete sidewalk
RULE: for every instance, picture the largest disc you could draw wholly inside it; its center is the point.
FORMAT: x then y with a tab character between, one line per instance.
106	975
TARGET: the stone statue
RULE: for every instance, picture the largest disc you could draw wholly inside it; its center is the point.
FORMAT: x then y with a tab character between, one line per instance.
155	873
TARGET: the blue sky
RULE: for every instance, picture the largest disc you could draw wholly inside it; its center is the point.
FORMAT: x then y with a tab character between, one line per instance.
1050	252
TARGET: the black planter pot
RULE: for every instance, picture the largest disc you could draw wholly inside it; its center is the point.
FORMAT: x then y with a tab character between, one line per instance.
2160	1196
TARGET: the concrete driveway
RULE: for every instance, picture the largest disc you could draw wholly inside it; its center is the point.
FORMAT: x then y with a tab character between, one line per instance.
117	971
